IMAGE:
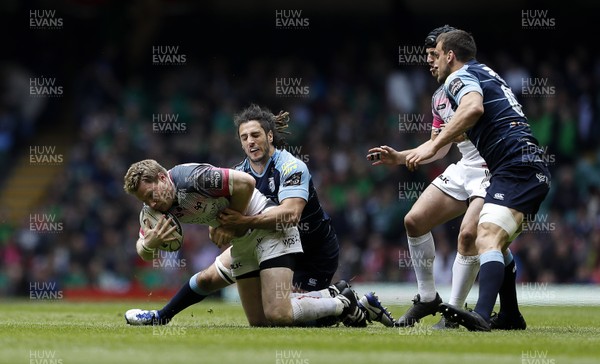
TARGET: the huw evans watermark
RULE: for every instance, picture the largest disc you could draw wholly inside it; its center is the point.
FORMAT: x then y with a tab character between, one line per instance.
413	123
290	357
167	260
168	55
410	190
411	55
410	261
284	221
537	291
44	87
291	87
291	19
283	290
43	19
536	357
538	223
44	357
537	19
168	123
45	291
45	155
296	151
537	87
45	223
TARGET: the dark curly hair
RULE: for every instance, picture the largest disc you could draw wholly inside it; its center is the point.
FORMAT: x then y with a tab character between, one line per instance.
268	121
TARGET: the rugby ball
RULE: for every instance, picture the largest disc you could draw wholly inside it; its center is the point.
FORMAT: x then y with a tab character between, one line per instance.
152	216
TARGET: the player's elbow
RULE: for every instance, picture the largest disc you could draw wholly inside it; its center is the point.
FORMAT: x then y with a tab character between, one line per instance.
475	111
244	182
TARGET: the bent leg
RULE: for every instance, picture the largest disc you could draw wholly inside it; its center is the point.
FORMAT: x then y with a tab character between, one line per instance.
283	308
496	224
249	289
432	208
200	286
466	263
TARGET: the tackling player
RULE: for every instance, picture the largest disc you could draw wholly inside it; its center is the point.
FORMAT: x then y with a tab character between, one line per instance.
487	110
284	179
262	260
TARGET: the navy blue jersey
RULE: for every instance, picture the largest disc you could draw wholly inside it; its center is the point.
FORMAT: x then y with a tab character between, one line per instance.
502	134
286	176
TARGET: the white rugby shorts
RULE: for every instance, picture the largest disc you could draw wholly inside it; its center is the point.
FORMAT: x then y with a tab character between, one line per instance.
463	182
247	252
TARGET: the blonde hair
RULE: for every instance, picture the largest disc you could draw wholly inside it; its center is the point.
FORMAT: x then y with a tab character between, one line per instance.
146	170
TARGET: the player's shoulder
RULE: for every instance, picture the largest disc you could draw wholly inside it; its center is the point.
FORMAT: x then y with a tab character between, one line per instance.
242	166
467	75
183	174
285	160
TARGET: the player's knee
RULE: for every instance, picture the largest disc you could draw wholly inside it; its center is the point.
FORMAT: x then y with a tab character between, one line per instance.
256	322
209	281
466	241
279	316
413	224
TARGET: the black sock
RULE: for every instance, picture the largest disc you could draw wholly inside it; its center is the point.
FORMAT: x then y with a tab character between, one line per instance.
508	291
182	300
491	275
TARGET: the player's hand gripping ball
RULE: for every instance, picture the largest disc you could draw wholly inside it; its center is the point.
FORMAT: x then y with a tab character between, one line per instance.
153	216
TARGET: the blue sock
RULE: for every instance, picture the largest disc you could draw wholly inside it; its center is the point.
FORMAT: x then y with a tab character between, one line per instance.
508	291
187	295
491	276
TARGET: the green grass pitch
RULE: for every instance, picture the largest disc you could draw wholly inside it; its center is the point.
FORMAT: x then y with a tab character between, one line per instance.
63	332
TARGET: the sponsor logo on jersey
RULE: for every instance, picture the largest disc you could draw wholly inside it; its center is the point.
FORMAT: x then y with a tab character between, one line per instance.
289	166
499	196
213	179
272	184
440	107
293	180
454	86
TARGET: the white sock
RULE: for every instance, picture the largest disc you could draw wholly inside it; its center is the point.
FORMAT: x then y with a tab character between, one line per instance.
422	254
307	308
324	293
464	272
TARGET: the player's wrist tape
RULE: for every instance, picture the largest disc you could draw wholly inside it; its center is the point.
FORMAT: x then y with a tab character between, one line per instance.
146	249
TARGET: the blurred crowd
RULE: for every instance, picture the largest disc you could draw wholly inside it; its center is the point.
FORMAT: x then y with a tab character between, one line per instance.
349	107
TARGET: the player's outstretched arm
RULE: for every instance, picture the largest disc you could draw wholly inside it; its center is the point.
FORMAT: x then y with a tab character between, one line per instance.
386	155
466	116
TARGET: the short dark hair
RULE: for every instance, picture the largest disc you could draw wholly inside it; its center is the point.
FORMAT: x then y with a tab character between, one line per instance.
460	42
267	120
431	39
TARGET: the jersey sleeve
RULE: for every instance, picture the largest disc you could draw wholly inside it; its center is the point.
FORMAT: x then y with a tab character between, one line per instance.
437	119
460	83
294	180
211	181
